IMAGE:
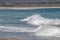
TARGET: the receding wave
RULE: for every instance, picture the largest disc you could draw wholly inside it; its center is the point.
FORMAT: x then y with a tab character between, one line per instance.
15	29
45	26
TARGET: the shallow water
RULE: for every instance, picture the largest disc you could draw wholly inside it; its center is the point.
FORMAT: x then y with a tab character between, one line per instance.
23	23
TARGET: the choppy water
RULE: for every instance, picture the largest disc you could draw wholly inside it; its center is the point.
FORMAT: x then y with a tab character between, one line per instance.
30	23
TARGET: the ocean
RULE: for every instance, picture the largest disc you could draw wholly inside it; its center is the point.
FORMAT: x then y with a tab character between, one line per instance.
30	24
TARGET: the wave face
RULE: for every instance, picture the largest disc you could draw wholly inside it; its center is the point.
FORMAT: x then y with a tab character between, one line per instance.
39	20
45	26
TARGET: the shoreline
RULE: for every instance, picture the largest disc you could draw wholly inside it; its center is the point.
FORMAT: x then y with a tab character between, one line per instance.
26	7
10	39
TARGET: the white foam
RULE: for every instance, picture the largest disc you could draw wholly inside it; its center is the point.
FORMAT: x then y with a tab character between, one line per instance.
15	29
26	7
47	30
1	20
45	26
39	20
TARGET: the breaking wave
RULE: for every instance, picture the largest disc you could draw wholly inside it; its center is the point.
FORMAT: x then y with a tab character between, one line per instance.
39	20
45	26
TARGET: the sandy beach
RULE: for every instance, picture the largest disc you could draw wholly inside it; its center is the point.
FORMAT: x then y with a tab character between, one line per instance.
29	6
10	39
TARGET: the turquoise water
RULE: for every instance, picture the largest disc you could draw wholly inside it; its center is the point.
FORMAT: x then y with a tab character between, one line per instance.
11	18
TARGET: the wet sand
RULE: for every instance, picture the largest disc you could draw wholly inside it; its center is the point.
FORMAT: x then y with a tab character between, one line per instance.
10	39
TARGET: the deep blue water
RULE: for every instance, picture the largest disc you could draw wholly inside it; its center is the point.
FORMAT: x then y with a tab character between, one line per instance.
12	17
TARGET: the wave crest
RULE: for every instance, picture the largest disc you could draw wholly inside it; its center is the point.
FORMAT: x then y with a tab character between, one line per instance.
45	26
38	20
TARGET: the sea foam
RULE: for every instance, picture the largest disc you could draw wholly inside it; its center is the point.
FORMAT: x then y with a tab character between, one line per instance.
15	29
39	20
45	26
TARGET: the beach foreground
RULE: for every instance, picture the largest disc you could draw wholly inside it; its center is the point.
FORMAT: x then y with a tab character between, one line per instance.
10	39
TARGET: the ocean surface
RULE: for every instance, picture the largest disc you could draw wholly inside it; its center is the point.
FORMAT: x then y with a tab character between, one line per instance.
30	24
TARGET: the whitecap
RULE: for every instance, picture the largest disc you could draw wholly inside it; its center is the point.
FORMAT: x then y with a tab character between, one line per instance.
45	26
39	20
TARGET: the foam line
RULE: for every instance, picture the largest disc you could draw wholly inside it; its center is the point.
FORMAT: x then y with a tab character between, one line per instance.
15	29
26	7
